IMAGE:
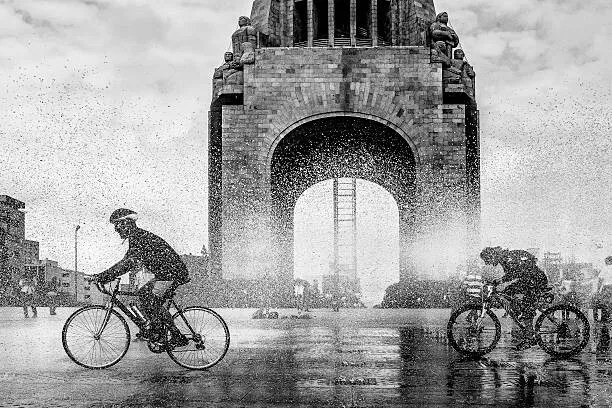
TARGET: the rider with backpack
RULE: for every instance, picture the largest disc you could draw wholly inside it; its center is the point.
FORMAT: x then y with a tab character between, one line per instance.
525	282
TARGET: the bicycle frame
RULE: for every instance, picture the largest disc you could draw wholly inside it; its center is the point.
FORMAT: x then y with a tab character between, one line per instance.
493	296
113	301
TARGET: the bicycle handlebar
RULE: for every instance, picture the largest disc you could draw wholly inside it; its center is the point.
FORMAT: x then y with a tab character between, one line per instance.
101	288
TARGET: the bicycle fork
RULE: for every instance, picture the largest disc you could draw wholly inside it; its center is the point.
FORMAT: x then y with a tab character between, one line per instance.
481	315
108	308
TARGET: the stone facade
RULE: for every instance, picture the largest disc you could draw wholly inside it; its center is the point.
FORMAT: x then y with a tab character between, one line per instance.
291	96
12	237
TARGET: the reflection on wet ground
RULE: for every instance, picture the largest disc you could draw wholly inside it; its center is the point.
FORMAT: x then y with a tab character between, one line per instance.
353	358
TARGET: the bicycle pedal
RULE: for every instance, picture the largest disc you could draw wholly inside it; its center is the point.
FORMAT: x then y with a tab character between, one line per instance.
157	347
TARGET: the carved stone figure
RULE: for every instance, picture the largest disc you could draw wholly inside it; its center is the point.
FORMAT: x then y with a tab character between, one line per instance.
443	38
460	72
246	33
230	72
248	54
227	65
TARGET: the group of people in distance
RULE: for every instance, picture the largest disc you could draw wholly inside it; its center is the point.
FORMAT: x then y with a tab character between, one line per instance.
525	282
32	293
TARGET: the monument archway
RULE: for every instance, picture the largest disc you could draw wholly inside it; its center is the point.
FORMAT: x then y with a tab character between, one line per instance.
377	93
340	146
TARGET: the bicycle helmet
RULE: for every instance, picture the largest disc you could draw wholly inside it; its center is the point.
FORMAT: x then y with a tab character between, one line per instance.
123	214
489	254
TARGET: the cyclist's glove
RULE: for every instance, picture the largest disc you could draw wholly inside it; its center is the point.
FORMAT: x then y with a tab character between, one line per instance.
96	278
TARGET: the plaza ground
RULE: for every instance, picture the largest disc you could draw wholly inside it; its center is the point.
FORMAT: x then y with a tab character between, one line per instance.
352	358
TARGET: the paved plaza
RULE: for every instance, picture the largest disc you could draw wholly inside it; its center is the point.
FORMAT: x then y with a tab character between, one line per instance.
352	358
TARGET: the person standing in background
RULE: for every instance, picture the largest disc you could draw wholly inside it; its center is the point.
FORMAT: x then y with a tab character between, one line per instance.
472	288
472	284
27	287
51	292
603	303
298	291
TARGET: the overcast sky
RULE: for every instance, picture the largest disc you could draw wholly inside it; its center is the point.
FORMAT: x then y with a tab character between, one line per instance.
103	104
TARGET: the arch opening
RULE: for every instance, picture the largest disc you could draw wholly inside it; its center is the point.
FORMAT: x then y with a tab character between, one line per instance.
339	147
377	243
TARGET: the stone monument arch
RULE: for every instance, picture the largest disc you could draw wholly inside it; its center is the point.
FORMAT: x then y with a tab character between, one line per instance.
340	88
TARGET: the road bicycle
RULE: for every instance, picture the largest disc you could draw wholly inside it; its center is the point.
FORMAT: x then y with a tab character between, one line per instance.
98	336
474	329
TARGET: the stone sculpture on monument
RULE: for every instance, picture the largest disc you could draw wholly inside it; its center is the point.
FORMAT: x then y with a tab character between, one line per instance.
460	72
244	41
246	33
443	39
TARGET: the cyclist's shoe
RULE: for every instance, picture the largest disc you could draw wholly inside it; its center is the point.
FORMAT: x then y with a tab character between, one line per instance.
178	341
154	332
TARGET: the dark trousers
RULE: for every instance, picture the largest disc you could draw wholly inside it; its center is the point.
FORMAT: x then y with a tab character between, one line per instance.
151	296
527	305
52	303
27	299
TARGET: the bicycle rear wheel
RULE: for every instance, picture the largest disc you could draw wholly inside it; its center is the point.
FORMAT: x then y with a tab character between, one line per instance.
85	347
562	330
471	333
208	336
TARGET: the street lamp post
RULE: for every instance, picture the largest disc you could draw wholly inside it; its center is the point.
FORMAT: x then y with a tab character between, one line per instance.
76	284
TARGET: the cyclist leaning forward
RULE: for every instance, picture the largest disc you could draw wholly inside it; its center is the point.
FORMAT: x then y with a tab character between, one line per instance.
526	283
153	253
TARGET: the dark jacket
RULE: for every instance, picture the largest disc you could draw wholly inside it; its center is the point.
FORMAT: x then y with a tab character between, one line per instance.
152	252
521	265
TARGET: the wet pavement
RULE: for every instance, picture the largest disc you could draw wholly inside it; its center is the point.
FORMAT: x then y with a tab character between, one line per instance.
352	358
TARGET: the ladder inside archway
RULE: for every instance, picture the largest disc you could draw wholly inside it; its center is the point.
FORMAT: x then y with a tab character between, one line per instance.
345	235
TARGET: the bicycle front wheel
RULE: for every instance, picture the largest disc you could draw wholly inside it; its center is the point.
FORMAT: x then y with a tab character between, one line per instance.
471	333
562	330
90	348
208	336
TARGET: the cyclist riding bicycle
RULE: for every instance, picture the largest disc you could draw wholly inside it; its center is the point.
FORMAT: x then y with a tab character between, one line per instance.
168	272
525	283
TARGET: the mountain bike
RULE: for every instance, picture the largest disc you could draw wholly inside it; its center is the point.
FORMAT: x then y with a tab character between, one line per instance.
98	336
474	329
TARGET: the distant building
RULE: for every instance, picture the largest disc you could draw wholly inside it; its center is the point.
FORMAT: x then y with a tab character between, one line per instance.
31	252
198	266
44	270
86	293
12	237
47	269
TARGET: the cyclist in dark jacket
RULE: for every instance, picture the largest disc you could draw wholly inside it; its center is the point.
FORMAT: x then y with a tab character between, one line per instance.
159	259
526	282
